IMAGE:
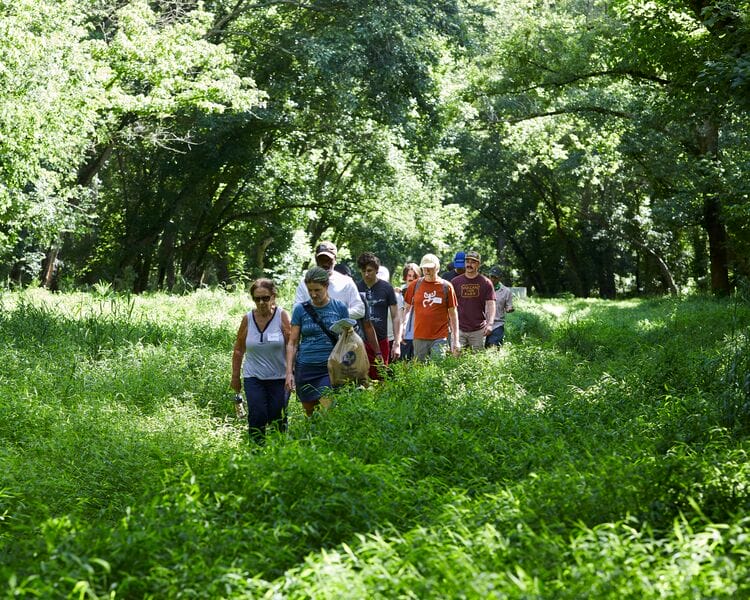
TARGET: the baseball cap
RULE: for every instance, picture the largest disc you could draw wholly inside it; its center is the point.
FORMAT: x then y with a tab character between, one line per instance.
496	272
327	249
430	261
474	255
459	261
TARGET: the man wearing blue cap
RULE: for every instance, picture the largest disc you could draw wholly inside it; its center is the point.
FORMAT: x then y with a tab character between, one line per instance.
458	268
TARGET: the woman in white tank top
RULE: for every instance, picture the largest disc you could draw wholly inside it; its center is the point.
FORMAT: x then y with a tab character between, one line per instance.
260	354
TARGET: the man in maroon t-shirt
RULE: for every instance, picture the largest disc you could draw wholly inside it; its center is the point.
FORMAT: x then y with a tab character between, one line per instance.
476	303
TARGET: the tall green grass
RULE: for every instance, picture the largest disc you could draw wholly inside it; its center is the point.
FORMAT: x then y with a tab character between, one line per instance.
602	452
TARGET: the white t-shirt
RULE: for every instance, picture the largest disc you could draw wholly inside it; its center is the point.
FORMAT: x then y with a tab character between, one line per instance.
341	288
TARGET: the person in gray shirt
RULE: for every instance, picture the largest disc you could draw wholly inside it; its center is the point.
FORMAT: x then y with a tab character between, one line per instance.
260	353
503	304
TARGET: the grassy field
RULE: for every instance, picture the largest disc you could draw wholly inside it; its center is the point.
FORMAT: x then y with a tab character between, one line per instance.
601	453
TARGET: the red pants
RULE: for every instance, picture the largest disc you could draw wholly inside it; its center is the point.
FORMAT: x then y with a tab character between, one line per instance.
385	350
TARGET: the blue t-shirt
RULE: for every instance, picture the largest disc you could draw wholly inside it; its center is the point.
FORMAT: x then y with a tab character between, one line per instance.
315	346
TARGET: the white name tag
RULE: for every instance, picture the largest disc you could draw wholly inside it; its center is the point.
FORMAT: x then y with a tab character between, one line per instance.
437	300
274	337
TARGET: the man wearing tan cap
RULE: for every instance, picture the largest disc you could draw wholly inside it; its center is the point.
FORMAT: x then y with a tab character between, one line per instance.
340	287
433	301
476	303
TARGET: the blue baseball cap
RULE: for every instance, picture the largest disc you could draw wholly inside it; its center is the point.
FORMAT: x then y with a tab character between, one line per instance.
459	261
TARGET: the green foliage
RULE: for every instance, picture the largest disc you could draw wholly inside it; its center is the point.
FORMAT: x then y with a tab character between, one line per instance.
602	451
157	68
50	92
588	143
592	147
76	84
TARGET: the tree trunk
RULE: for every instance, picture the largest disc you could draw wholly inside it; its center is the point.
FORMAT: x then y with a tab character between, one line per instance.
700	265
708	147
502	259
532	277
606	275
143	272
166	257
316	227
260	253
666	274
717	245
549	196
50	269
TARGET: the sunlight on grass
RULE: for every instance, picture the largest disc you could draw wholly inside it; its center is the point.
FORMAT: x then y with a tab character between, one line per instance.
558	310
646	325
591	456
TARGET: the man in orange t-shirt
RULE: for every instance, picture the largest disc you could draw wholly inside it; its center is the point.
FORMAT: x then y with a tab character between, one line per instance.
433	301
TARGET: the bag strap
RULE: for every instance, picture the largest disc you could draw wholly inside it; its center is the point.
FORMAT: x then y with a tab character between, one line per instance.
419	282
316	318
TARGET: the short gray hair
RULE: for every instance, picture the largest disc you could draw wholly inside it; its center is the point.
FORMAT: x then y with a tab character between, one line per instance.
317	275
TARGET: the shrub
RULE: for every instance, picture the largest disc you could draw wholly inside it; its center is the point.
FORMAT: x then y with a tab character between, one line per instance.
601	452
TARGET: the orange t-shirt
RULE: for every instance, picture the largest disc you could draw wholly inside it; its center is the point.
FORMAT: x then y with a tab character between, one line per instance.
430	307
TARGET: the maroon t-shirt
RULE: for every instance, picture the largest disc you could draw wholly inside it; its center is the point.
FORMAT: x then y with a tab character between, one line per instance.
472	295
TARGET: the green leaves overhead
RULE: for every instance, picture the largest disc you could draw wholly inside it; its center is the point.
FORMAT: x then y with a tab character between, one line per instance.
592	145
67	91
50	93
159	68
610	105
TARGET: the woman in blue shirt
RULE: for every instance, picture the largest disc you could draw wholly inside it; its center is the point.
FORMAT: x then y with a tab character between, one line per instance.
309	344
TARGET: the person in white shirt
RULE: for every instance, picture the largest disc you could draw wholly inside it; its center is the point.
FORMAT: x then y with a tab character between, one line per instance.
385	275
411	272
340	287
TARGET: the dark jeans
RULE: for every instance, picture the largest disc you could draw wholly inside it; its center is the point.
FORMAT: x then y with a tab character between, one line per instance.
266	405
496	337
407	350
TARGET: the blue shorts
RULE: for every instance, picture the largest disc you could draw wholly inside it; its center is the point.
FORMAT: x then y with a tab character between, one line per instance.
312	381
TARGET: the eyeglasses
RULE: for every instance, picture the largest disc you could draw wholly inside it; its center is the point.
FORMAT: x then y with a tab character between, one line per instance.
262	298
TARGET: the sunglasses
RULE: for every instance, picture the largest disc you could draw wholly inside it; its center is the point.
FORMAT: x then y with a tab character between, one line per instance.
262	298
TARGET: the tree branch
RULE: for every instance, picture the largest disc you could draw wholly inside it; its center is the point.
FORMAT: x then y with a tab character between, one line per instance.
565	111
571	79
630	73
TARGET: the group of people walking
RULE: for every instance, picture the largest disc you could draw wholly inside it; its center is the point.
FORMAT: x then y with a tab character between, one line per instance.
276	353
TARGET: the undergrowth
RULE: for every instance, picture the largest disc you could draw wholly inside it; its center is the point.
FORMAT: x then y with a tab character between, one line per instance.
602	452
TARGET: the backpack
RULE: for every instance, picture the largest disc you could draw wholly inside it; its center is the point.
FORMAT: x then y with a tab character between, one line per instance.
419	282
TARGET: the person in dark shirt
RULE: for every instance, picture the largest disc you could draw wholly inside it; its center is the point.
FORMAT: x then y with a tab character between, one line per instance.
457	267
381	299
476	304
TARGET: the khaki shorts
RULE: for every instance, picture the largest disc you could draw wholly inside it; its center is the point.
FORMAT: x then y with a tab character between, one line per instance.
424	349
475	339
